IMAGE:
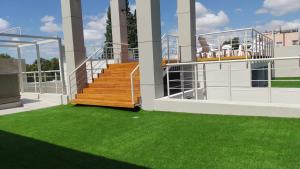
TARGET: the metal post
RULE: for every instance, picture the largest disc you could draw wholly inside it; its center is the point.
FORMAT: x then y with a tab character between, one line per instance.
178	50
196	80
92	72
182	81
252	39
168	81
106	59
45	77
111	54
34	80
204	81
61	67
246	45
256	48
179	54
168	49
39	66
229	82
269	82
231	54
55	76
21	78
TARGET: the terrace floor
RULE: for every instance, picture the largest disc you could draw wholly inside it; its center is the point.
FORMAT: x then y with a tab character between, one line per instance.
72	137
29	104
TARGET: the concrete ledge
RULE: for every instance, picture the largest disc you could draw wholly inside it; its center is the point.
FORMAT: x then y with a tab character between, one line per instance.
228	108
11	105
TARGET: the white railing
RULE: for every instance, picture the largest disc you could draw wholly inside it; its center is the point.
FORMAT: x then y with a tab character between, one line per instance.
170	49
265	80
93	66
80	77
247	43
49	82
135	70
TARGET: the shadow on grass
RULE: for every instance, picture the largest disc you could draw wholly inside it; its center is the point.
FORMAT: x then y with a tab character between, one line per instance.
18	152
135	110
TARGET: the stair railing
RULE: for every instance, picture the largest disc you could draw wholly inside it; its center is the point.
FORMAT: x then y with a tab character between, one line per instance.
170	48
79	77
132	83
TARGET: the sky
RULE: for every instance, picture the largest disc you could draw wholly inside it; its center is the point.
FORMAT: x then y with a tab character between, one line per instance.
43	17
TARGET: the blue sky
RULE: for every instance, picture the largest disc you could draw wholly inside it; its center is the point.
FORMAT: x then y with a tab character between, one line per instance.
43	17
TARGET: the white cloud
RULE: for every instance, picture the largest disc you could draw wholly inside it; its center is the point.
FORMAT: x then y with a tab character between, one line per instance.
208	21
279	7
95	28
132	7
47	19
3	24
49	25
280	24
201	9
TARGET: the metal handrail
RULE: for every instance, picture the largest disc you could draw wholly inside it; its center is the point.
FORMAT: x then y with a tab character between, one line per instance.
78	67
132	83
86	60
48	71
231	61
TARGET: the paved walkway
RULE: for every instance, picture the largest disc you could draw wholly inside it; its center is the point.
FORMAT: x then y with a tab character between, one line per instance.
28	105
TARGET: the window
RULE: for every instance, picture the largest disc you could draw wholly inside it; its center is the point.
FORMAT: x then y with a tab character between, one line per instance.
295	42
279	43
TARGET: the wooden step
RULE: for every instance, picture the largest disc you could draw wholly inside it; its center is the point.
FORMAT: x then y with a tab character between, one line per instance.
110	97
112	85
124	82
123	65
112	88
108	79
108	91
105	103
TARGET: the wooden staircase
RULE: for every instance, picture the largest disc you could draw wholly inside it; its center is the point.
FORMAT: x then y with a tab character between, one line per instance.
112	88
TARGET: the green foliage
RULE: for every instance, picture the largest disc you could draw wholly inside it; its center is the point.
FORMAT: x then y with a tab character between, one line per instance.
108	34
286	82
5	56
132	30
132	27
52	64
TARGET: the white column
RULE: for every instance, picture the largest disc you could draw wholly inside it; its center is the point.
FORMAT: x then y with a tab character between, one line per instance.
73	37
149	33
38	54
119	30
61	66
21	76
187	29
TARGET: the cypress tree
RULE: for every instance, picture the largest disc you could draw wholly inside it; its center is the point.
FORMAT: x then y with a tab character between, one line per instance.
131	26
108	34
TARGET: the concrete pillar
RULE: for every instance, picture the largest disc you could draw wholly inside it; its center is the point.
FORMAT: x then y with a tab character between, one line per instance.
149	33
39	66
119	30
74	39
21	79
187	29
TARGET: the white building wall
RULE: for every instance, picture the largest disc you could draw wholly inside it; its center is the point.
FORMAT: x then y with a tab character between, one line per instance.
291	67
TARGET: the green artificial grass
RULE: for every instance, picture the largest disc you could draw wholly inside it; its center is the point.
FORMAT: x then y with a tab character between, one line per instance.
70	137
286	84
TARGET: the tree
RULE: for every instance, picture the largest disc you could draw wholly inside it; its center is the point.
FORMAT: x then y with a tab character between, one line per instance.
108	34
131	26
46	65
5	56
132	30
